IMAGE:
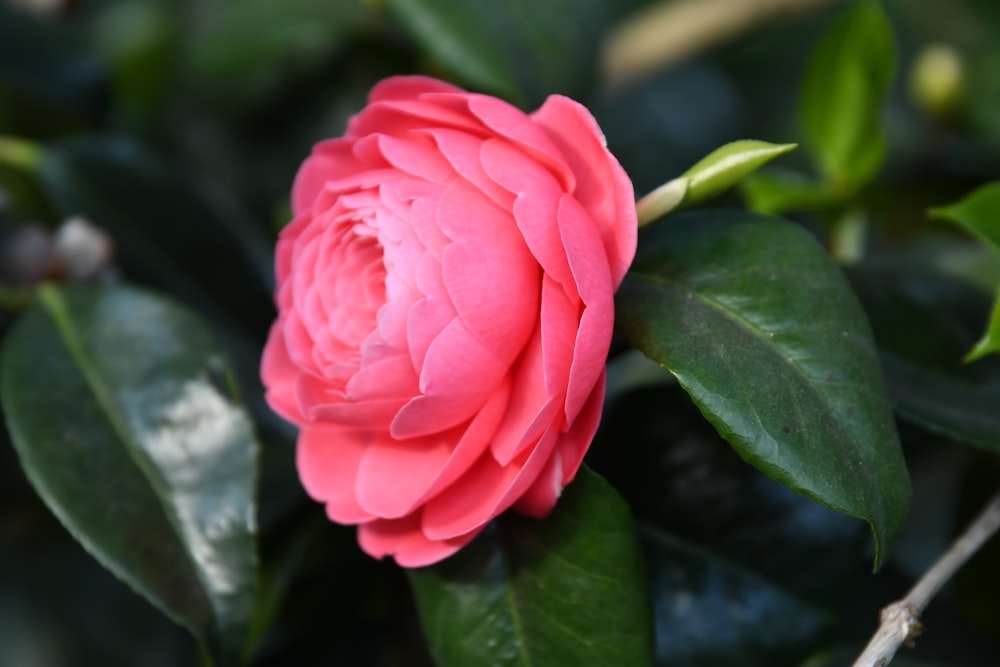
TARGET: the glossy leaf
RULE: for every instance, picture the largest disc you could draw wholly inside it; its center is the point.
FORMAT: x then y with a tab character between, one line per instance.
742	570
566	590
847	80
927	379
121	409
762	330
520	49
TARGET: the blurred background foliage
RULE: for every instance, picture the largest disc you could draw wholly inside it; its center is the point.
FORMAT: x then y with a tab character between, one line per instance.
176	127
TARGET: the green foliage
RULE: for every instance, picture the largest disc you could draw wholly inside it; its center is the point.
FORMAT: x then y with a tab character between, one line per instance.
521	49
846	83
980	214
176	129
567	590
929	383
130	431
762	330
708	523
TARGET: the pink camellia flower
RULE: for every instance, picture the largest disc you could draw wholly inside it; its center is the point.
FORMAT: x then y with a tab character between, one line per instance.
445	311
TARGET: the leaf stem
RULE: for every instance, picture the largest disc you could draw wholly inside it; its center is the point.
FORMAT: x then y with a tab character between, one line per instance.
20	153
900	621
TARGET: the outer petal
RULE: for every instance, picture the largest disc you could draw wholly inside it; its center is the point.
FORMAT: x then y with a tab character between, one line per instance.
395	476
403	539
593	280
279	374
485	491
565	461
602	186
408	88
327	459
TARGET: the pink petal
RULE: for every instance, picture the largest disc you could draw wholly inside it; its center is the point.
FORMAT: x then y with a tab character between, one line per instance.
397	475
602	186
457	377
489	274
418	156
403	539
387	378
400	117
327	460
531	408
279	374
394	473
330	160
513	124
485	491
562	467
593	278
462	150
408	88
536	206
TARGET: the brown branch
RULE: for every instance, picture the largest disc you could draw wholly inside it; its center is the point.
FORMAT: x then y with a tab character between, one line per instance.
900	621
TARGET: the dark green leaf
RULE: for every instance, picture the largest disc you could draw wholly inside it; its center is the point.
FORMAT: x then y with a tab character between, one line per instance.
566	590
760	568
847	80
927	379
121	409
762	330
520	49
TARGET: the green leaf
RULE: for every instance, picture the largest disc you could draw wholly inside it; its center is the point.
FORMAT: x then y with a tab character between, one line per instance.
978	213
847	80
520	49
929	384
711	176
762	330
777	191
121	409
566	590
760	566
990	342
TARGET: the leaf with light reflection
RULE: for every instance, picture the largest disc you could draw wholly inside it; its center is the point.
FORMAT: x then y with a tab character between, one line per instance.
121	408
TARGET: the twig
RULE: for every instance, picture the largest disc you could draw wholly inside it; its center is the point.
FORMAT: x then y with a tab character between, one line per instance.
900	621
666	32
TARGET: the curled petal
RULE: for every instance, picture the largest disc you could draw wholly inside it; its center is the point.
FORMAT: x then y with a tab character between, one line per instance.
396	476
327	459
566	459
405	541
602	186
485	491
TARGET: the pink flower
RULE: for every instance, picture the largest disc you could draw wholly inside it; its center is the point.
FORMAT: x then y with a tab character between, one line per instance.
445	311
